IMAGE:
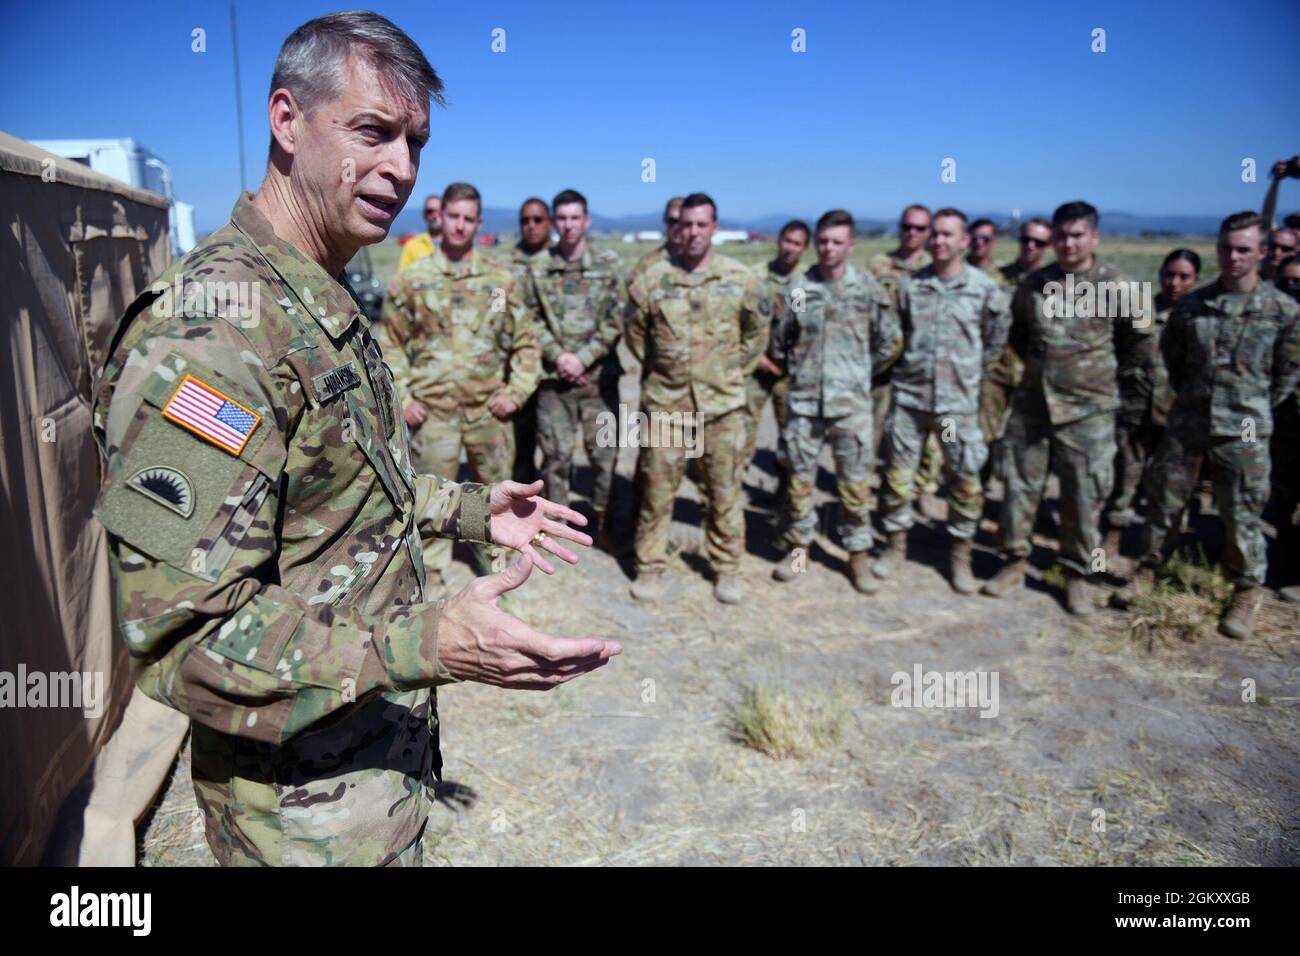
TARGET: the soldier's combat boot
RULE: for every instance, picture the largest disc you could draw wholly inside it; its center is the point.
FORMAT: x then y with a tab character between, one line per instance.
786	569
1239	622
1078	596
1011	576
963	581
726	590
648	586
893	555
860	571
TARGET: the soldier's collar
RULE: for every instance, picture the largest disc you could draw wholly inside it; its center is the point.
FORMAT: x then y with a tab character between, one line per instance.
471	265
323	297
1097	268
907	262
555	261
681	276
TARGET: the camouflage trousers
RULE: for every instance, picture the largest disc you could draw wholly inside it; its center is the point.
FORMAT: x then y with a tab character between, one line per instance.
758	388
962	446
1239	472
850	439
353	791
563	411
659	475
881	394
490	450
1137	443
996	389
1082	453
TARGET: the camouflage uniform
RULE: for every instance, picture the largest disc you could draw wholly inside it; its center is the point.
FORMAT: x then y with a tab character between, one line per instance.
524	423
1141	421
658	254
577	305
1231	358
845	330
762	385
275	594
1002	377
889	270
1063	412
697	335
954	330
453	333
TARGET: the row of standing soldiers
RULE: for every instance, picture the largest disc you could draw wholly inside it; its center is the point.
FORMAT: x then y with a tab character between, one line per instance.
932	360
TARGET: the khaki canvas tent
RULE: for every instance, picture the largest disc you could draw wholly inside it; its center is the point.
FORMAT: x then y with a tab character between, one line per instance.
83	755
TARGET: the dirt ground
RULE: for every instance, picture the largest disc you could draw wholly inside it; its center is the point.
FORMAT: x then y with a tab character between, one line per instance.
638	763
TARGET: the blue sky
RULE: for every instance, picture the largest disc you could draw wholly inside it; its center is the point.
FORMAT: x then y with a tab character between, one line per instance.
1159	123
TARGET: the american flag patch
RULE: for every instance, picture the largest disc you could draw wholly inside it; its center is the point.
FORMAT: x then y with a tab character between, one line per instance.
211	415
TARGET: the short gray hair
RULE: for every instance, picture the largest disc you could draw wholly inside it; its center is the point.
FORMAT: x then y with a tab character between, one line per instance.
313	59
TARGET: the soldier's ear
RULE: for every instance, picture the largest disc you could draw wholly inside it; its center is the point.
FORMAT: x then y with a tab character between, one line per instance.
282	111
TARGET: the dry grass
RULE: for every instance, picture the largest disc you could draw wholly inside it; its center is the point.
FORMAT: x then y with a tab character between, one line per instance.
772	722
1185	603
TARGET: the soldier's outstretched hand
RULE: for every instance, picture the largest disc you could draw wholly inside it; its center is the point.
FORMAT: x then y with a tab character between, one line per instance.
519	518
477	641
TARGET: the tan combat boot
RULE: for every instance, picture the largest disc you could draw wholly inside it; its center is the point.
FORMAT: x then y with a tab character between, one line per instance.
893	555
1078	596
726	590
1239	622
648	586
1011	576
860	572
784	570
963	581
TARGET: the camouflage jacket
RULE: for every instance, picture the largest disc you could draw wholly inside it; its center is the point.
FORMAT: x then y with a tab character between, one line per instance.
697	334
658	254
777	283
994	272
458	333
1150	396
577	307
953	332
830	337
264	537
1008	369
1231	358
1077	353
888	269
1011	274
522	262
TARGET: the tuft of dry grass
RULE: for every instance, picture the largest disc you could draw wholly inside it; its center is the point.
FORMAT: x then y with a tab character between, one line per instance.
772	722
1185	603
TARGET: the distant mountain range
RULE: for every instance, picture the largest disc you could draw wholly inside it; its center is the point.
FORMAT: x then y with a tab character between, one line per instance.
499	220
